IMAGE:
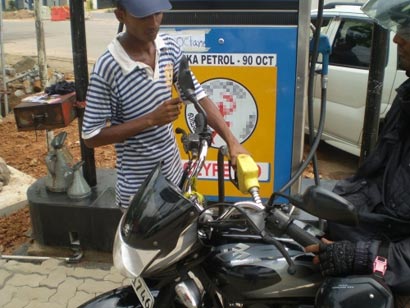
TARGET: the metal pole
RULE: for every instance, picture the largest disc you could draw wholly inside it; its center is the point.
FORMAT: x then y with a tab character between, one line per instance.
378	60
41	47
79	46
3	67
42	58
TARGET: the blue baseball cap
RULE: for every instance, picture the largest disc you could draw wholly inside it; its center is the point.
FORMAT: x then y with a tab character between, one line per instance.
143	8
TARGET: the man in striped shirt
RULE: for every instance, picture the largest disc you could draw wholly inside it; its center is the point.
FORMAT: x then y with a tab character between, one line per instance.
129	101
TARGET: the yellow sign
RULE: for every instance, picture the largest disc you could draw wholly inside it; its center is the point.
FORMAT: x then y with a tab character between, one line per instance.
246	97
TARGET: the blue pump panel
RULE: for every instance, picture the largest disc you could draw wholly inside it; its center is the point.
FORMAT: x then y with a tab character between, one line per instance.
246	56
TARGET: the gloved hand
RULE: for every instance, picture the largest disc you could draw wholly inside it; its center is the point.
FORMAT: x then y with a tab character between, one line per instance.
341	258
336	259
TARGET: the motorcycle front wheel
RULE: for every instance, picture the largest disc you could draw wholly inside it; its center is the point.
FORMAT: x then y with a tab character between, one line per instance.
123	297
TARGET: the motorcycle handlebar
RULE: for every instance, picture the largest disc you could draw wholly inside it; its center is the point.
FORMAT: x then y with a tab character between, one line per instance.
277	221
301	236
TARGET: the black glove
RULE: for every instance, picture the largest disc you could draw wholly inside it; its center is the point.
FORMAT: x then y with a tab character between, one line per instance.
344	258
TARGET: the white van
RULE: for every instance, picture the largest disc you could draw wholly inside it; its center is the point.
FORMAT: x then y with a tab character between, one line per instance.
350	32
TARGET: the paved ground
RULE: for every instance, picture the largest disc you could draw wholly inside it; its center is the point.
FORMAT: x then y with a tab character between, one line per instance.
53	283
44	278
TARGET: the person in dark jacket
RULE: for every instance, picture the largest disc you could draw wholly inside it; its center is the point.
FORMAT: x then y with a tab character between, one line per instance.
380	189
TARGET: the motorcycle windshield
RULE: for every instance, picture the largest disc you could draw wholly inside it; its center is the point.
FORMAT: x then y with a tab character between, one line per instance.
157	215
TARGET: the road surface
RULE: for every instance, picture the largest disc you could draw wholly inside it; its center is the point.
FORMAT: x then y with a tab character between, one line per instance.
19	36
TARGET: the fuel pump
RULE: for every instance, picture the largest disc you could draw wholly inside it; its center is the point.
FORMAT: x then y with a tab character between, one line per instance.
249	57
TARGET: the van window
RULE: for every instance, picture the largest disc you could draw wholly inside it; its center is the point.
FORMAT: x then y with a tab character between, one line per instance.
352	44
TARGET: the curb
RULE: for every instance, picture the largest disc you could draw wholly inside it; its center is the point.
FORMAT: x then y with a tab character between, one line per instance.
13	196
13	208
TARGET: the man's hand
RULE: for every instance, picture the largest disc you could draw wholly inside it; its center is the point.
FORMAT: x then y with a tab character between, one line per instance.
334	258
235	150
166	112
217	122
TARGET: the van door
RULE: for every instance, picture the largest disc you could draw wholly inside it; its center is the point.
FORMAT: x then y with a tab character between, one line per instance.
347	86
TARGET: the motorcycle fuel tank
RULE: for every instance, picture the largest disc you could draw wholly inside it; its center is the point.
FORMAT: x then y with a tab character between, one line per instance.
255	270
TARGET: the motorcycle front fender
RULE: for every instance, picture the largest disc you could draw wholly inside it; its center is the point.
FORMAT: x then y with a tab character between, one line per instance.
123	297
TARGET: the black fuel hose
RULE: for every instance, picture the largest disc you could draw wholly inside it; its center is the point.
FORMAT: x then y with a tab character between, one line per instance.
314	144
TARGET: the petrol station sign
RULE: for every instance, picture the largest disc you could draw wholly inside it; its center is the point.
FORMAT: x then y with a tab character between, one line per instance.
240	59
236	93
244	87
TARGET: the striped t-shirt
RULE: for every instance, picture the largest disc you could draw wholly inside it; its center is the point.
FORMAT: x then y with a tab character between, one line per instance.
120	90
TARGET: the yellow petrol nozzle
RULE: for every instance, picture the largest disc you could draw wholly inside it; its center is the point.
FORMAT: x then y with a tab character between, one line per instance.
247	172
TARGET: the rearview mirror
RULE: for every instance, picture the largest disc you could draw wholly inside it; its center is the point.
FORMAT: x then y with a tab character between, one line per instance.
186	83
325	204
185	80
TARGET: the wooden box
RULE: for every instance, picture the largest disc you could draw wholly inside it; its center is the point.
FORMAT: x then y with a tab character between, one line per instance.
35	114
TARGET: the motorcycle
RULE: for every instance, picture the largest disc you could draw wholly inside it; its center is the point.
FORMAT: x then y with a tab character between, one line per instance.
179	251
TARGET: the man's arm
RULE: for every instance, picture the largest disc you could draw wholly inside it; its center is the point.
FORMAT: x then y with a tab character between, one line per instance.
164	114
217	122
